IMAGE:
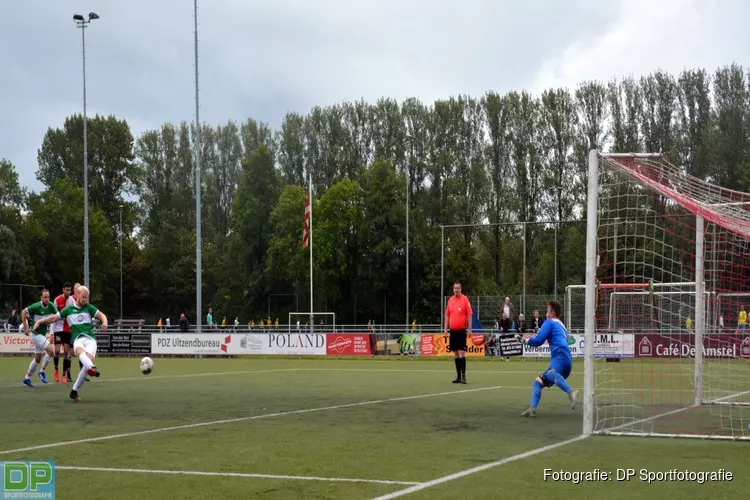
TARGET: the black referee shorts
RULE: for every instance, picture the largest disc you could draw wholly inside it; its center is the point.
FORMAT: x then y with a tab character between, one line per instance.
458	340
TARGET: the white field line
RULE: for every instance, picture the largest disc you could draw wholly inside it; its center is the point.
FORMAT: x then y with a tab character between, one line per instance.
235	474
246	372
474	470
161	377
245	419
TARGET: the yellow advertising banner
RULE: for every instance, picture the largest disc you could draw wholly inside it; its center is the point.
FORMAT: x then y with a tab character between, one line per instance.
439	345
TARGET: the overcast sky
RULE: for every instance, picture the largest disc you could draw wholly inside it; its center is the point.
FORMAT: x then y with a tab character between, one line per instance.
263	58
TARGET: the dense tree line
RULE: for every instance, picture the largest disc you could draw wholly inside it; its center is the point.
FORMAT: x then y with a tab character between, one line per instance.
498	158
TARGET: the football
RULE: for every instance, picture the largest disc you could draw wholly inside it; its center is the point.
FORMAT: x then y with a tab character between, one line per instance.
147	365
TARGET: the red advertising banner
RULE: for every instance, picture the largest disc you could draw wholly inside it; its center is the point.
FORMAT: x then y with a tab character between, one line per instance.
682	345
348	344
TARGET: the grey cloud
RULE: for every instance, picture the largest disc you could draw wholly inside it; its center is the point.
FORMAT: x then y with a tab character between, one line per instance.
262	59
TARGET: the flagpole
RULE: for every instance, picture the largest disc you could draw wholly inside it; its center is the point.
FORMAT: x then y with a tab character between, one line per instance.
309	197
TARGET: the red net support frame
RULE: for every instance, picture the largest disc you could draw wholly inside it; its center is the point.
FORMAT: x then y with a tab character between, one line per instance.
667	291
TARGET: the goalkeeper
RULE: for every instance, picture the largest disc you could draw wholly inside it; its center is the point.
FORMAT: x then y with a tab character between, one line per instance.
561	363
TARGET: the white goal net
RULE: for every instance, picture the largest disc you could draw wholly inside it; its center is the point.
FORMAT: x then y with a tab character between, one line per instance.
668	286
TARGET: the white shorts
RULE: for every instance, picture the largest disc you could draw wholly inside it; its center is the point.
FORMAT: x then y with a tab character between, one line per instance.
86	343
40	343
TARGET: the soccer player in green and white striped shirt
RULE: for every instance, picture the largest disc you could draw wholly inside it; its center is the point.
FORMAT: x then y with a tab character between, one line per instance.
80	316
39	340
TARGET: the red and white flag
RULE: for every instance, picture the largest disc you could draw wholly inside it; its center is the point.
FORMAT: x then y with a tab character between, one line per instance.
306	222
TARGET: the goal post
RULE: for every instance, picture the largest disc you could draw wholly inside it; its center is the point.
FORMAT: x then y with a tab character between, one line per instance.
667	283
322	322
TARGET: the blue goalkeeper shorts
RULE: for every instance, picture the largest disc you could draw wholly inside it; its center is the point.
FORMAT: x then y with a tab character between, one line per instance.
563	366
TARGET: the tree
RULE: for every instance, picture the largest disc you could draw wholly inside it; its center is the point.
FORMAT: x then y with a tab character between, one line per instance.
54	231
257	194
112	172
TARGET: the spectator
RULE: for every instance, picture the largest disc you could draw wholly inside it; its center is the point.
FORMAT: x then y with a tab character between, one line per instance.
298	325
742	319
236	322
158	324
224	322
183	323
521	324
508	309
276	324
505	328
210	318
536	323
168	322
13	321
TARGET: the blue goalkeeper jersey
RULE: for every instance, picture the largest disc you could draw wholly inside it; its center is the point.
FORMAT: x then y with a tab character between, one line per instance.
554	333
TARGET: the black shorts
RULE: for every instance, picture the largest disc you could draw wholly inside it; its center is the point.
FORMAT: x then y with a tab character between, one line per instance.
458	340
63	338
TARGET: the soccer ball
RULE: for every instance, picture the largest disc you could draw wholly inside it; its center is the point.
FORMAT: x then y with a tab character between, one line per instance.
147	365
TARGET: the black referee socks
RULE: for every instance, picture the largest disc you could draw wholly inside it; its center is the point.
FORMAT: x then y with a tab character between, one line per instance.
463	367
458	366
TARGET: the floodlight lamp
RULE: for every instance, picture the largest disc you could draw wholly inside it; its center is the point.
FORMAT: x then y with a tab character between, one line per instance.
78	18
93	15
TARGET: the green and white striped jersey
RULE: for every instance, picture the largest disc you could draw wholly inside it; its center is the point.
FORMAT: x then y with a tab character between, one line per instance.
79	319
38	311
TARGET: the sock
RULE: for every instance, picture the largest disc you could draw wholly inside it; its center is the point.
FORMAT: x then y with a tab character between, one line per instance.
559	381
80	380
85	362
56	361
66	365
463	367
536	393
458	366
32	368
45	362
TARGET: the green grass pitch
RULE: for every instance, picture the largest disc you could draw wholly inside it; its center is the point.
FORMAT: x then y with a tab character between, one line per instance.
304	428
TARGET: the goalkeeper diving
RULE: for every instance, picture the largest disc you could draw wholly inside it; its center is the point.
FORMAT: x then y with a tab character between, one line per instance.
561	363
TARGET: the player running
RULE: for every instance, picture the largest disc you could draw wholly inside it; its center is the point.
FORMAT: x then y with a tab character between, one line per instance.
79	318
37	311
561	363
61	330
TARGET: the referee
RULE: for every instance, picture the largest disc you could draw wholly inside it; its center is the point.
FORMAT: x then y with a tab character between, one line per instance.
458	321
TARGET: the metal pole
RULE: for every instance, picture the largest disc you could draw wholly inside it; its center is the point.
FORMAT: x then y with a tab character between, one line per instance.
590	323
523	302
198	278
700	317
85	167
312	309
442	275
407	245
614	276
557	228
121	314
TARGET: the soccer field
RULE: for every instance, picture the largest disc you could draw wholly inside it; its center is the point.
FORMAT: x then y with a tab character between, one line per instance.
332	429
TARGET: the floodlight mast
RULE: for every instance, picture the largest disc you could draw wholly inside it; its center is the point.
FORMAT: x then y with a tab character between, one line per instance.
83	24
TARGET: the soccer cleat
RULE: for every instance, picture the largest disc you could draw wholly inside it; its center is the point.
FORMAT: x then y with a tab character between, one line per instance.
93	372
529	413
43	377
573	399
74	396
457	381
27	381
64	379
463	380
57	375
